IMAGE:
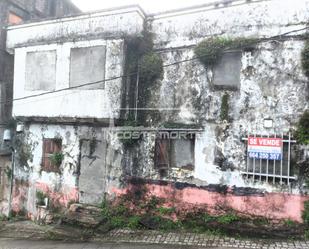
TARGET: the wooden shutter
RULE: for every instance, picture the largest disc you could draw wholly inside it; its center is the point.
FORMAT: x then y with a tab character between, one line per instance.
50	146
162	157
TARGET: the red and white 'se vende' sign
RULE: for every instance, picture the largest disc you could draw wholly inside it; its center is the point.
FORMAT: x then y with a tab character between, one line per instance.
265	148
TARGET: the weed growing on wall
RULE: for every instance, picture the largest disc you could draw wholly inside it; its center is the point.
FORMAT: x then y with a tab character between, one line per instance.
8	171
210	51
56	158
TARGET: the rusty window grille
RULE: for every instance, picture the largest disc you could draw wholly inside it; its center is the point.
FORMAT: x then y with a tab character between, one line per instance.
267	170
50	146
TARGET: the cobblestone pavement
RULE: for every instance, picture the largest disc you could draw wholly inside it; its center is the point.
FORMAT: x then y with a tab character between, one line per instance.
199	240
28	231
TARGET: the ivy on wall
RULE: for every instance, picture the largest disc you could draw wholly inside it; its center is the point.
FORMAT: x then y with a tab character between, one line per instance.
145	67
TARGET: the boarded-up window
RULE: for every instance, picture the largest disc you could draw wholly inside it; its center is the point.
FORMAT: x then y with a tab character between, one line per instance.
175	153
50	146
88	66
227	71
14	19
162	153
41	71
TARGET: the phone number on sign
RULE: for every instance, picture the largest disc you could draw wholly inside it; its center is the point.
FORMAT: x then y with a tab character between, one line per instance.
261	155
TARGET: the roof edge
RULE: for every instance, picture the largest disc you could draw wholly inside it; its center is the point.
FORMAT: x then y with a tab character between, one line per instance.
83	15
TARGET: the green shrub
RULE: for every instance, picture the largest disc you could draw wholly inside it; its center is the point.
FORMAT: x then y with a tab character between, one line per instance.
302	131
151	68
289	223
106	211
166	211
134	222
227	218
305	215
118	222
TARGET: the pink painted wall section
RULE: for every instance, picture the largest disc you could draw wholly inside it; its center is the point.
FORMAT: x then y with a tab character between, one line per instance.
20	195
63	198
271	205
21	190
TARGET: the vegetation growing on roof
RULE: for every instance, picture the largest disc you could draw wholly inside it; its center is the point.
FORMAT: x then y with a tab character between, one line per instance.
209	51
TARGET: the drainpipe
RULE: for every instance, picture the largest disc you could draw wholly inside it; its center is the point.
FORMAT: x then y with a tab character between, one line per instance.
136	91
12	182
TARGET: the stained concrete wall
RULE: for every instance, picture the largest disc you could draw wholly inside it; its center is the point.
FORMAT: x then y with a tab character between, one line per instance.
91	168
272	84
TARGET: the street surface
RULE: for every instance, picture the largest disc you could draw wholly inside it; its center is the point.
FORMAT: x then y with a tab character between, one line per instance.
23	244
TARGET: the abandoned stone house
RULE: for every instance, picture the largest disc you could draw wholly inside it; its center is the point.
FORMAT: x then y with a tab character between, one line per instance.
81	85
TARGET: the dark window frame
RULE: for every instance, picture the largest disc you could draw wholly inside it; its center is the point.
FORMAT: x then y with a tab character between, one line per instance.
165	155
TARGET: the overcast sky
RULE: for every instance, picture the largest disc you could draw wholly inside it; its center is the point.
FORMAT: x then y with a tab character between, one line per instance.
150	6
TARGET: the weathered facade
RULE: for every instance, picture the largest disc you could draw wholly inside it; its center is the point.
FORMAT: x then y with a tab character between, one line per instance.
75	115
14	12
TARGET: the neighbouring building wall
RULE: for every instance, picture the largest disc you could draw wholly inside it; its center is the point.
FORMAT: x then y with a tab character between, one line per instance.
14	12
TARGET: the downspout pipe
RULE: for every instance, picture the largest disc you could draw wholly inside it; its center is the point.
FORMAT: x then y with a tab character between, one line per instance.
12	182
